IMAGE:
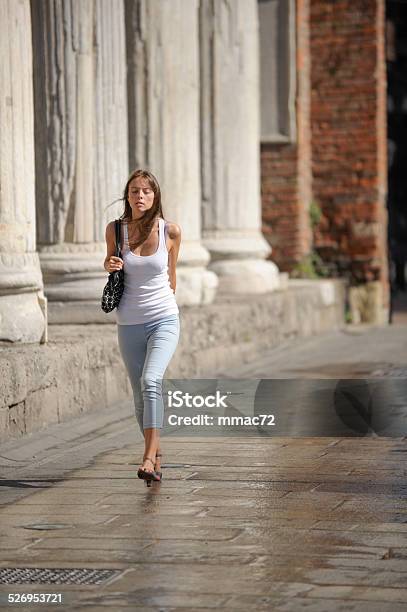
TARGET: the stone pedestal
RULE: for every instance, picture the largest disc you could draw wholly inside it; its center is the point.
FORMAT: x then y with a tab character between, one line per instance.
230	147
163	84
81	147
366	304
74	282
22	304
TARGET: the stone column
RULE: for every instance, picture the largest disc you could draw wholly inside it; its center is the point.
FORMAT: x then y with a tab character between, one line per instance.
81	147
230	147
22	306
111	166
163	97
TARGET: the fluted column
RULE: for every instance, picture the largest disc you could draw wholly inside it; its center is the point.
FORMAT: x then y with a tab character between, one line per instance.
230	142
111	138
163	90
22	305
81	147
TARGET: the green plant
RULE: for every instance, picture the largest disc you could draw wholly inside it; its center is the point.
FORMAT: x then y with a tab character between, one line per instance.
310	266
315	214
348	315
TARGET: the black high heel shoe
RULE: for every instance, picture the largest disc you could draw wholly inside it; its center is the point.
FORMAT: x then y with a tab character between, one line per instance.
147	475
159	474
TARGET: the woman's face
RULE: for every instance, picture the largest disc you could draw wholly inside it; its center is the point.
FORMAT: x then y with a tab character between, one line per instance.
140	197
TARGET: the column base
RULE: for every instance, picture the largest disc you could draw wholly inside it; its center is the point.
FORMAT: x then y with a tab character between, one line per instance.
73	282
366	304
195	286
22	317
246	276
195	283
238	257
23	308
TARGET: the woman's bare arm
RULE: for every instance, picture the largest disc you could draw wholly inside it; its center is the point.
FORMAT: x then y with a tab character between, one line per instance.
111	262
174	234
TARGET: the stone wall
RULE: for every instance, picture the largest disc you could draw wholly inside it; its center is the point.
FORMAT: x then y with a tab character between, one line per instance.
80	369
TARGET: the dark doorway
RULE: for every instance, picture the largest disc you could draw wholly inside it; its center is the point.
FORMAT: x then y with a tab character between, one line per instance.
396	59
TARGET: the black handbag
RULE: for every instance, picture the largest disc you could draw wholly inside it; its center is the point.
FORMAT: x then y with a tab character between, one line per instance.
114	287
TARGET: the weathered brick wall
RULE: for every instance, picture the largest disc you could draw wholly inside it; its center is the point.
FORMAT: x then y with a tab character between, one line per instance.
286	168
341	144
348	125
280	202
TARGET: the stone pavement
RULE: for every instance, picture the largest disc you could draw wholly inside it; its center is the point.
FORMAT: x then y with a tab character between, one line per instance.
250	523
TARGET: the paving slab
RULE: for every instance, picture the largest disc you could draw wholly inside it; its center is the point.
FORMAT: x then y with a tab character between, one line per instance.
276	523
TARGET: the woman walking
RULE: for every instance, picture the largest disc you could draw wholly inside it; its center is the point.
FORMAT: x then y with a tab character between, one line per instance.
147	315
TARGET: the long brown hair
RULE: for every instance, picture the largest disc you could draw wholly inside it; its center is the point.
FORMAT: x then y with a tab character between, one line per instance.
145	224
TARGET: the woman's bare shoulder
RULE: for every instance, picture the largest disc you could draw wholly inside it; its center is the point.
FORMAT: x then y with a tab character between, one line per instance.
111	228
173	230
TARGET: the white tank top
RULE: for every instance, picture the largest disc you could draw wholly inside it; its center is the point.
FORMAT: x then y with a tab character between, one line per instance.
147	294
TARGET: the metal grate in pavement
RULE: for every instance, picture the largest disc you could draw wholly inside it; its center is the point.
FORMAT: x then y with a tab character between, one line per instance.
33	575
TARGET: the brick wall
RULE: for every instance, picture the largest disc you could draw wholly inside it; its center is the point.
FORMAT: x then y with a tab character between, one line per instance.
286	168
340	143
348	125
280	202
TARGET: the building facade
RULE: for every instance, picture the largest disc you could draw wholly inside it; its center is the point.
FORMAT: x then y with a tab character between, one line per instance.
247	112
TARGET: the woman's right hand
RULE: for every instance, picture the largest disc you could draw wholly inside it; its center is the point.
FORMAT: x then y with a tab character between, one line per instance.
114	263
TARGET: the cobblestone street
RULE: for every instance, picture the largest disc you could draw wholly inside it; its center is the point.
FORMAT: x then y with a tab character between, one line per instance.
282	524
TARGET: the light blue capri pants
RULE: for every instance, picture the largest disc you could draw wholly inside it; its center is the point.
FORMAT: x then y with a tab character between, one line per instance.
146	349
